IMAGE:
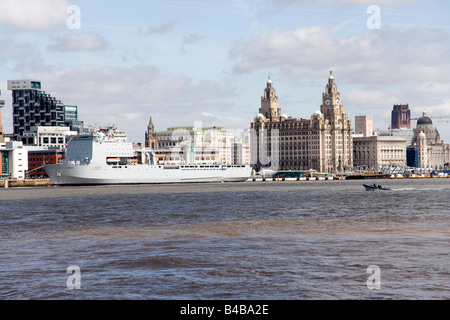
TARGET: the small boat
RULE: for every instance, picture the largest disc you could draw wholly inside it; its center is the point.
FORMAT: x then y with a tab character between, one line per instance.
374	186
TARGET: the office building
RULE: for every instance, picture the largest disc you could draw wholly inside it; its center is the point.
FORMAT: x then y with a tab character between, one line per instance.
364	126
374	152
14	160
323	143
204	145
33	107
51	137
378	152
401	123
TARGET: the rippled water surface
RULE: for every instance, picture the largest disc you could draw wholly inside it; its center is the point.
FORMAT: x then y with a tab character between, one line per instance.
255	240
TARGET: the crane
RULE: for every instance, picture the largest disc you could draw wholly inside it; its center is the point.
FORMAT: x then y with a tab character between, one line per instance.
441	118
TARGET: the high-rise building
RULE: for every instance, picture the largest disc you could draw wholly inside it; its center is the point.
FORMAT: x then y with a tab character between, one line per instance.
401	123
33	107
401	117
323	143
364	126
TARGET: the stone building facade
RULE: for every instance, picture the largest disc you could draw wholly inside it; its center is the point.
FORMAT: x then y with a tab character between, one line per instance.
432	152
323	143
151	136
376	152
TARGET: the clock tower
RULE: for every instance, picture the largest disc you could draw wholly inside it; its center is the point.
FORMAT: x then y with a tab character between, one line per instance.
269	103
331	100
339	137
151	137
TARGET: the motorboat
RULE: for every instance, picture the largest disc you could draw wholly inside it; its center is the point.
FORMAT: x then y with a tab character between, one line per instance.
373	187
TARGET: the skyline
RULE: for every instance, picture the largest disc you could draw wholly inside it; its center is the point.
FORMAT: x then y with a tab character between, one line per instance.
182	63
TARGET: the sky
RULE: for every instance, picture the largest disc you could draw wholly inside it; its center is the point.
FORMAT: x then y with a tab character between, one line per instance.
186	62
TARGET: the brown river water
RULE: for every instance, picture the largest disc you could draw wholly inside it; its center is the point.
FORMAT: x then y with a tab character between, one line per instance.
253	240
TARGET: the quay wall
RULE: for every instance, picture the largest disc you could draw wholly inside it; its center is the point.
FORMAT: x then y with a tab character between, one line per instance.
11	183
259	179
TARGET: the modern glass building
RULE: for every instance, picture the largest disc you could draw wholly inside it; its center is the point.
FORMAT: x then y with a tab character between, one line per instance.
33	107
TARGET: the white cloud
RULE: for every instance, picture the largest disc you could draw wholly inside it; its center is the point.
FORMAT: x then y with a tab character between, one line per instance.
437	88
127	97
435	111
73	42
34	15
16	51
381	57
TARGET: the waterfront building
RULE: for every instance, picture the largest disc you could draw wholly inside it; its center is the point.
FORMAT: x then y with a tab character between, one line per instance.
33	107
323	143
151	136
377	152
71	120
428	151
209	144
241	149
364	126
408	134
51	137
374	152
39	156
401	123
45	145
13	159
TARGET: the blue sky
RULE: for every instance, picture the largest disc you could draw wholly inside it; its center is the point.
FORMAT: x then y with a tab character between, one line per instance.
187	61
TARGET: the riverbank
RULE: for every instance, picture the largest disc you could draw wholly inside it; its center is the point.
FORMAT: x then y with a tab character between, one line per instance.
47	182
369	177
11	183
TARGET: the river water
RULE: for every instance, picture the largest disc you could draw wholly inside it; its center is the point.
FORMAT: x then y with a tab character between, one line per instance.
253	240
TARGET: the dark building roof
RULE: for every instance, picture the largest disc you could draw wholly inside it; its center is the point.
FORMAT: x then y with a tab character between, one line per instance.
424	120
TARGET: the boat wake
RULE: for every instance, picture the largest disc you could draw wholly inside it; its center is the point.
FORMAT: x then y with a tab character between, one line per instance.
415	189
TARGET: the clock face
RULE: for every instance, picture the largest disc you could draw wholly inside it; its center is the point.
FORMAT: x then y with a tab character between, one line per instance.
327	102
337	101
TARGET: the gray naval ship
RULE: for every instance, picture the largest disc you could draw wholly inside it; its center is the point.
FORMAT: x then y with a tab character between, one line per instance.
108	158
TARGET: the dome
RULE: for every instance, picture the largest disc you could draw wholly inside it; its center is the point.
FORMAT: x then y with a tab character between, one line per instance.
284	116
260	115
317	114
424	120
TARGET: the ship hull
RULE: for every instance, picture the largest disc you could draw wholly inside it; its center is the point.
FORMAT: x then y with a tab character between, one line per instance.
92	174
